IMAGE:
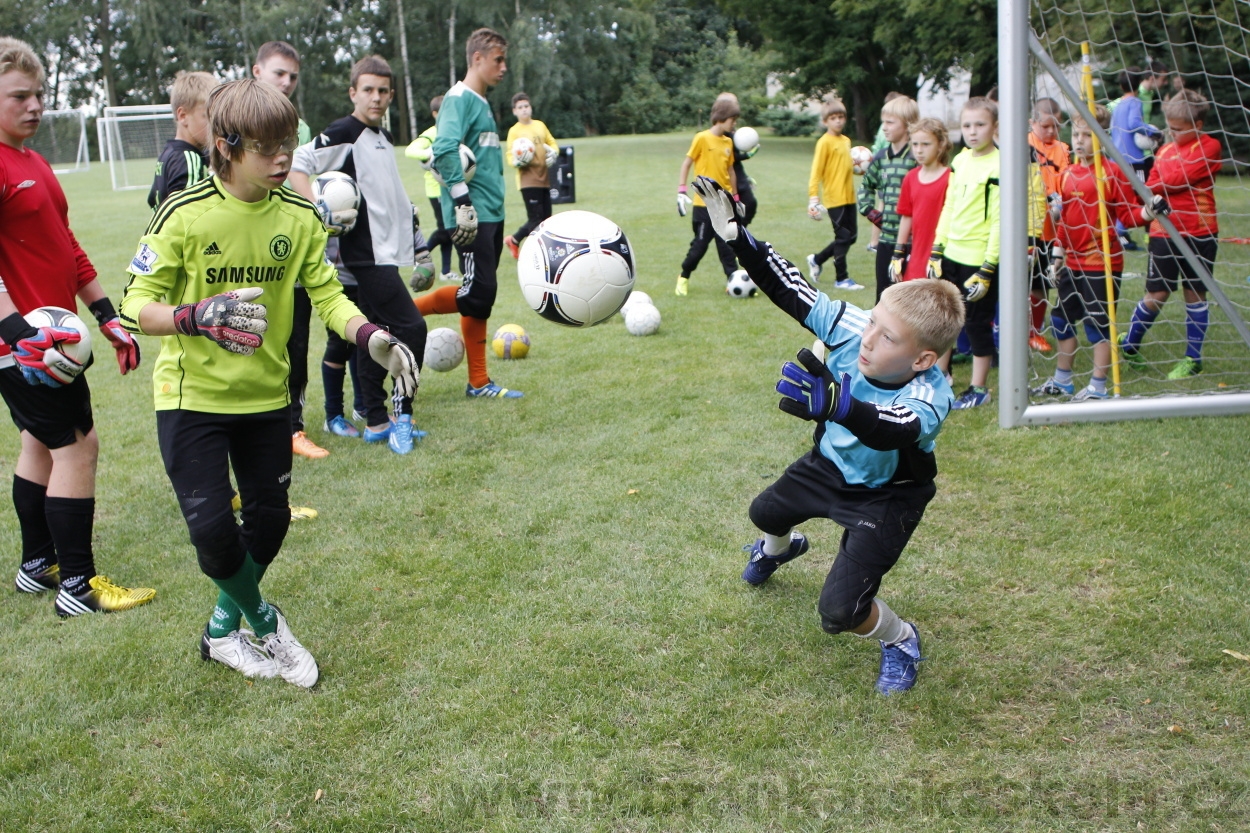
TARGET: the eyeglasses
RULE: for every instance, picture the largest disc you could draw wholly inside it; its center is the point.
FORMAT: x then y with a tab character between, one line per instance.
287	145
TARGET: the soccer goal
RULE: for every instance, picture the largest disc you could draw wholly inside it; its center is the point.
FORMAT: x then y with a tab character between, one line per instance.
131	139
1074	51
62	140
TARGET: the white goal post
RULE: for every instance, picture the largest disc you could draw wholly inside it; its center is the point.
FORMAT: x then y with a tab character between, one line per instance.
131	138
62	140
1022	56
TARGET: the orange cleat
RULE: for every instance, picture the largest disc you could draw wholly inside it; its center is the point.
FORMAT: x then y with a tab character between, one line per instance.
511	243
304	447
1041	345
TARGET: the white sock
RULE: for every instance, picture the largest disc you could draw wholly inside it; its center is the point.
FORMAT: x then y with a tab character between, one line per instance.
890	628
776	544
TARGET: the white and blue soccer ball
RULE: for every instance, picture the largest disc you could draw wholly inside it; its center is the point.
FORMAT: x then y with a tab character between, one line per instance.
444	349
747	140
577	268
79	351
740	285
337	190
468	162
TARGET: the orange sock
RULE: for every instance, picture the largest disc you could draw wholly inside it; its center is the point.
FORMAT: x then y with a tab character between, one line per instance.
474	332
439	302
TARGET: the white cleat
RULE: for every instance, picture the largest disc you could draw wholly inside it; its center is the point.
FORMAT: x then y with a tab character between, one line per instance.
235	650
295	663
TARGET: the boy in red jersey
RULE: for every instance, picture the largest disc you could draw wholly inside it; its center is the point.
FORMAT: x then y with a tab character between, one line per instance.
1183	174
48	398
1077	269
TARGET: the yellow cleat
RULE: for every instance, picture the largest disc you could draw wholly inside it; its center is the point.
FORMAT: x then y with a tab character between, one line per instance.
303	513
103	597
236	503
683	287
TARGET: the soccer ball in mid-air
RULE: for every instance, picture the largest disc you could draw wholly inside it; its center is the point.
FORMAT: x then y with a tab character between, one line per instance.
636	298
747	140
576	268
522	152
468	163
860	157
511	342
740	285
337	191
79	352
642	320
444	349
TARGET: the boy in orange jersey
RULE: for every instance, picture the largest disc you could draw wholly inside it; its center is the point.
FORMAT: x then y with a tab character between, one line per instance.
1183	174
831	189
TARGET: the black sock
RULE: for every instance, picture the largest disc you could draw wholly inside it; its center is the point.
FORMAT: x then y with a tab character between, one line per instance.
38	551
71	520
332	383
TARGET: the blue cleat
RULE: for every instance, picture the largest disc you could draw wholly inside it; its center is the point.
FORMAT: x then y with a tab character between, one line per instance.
898	664
973	397
340	427
492	391
760	566
402	434
382	436
1053	388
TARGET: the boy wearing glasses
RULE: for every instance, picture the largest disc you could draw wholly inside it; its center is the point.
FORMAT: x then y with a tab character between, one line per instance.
215	276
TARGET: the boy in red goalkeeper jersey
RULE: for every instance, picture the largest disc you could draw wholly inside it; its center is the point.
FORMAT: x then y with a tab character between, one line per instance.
1183	174
1077	269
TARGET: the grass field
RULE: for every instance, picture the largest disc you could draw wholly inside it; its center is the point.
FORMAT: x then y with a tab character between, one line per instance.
535	620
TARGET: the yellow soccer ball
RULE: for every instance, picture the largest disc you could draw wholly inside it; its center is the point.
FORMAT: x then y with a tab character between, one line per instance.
511	342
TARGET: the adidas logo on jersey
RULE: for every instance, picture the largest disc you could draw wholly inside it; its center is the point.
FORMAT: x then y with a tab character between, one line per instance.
212	249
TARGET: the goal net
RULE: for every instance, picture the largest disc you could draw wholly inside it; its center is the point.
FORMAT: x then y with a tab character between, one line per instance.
62	140
1157	59
131	139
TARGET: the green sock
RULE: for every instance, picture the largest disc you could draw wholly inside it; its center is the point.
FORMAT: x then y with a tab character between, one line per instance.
241	592
226	616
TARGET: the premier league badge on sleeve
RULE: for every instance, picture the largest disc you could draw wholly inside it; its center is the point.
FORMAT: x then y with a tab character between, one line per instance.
144	260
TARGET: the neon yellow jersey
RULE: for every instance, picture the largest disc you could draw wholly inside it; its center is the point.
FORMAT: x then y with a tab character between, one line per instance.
968	226
202	242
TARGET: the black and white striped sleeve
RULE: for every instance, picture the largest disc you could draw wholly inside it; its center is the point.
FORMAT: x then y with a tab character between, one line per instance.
776	277
883	427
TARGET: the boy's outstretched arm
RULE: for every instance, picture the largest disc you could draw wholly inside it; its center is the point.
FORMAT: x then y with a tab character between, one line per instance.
776	277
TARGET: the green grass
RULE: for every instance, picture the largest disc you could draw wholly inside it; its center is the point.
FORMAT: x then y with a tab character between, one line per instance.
535	621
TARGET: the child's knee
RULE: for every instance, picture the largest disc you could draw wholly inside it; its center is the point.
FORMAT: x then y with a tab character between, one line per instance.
217	546
768	515
840	613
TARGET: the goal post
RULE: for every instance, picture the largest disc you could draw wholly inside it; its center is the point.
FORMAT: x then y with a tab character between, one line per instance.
62	140
131	138
1026	29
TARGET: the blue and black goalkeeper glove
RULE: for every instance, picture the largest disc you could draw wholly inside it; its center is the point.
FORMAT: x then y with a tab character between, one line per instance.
812	392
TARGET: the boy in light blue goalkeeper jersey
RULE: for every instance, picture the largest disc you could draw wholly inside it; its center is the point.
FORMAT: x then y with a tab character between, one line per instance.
878	401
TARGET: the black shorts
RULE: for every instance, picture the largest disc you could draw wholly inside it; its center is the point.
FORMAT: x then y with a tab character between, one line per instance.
480	263
877	524
1082	296
978	315
1167	264
1039	265
50	415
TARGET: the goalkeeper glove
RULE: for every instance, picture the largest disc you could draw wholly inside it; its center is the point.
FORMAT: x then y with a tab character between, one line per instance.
899	261
740	208
392	354
812	392
721	210
336	222
814	209
1157	207
978	286
874	216
553	155
422	272
230	319
684	202
36	351
124	344
1058	268
1054	204
934	269
466	222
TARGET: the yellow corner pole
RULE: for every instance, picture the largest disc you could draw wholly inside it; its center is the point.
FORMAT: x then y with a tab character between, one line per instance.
1104	226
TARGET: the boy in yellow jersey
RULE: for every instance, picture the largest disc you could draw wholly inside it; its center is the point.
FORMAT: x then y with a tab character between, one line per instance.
222	398
711	154
532	177
831	189
422	150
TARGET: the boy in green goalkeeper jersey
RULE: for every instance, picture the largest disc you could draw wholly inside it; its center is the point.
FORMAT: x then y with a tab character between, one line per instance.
215	276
